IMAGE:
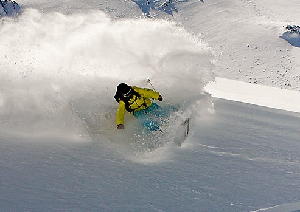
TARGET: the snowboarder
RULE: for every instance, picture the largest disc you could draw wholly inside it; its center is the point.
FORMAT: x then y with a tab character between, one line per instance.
138	101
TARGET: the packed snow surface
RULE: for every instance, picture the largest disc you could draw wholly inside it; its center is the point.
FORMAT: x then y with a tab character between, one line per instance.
230	66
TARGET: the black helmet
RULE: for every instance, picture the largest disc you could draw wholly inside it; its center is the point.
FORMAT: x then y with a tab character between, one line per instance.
123	88
125	92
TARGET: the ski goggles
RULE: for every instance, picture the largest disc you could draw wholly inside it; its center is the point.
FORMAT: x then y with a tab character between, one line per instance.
127	94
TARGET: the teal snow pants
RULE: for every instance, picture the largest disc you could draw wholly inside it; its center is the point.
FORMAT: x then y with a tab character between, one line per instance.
153	117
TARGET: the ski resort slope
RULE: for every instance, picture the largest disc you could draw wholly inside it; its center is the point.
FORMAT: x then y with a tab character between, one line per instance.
224	62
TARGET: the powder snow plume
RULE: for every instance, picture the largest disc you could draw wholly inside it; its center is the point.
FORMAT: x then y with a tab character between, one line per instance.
56	69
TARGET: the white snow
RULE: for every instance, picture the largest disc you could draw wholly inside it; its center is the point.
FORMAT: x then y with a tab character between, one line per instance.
229	62
279	208
261	95
246	39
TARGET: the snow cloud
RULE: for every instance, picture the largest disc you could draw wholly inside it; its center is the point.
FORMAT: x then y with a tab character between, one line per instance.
52	59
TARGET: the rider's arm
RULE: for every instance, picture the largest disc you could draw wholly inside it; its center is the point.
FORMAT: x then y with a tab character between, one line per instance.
147	93
121	113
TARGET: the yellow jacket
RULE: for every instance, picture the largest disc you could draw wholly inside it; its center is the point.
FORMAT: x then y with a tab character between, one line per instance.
136	103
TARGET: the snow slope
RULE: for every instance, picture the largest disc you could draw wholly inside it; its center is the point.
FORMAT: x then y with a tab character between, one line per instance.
242	159
261	95
59	70
246	39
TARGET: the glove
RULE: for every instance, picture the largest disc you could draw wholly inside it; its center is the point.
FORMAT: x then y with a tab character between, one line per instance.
160	98
120	126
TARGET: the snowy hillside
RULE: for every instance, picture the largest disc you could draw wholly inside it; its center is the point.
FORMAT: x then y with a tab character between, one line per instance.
245	36
231	65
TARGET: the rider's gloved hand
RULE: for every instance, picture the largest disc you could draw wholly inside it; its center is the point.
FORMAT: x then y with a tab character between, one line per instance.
160	98
120	126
